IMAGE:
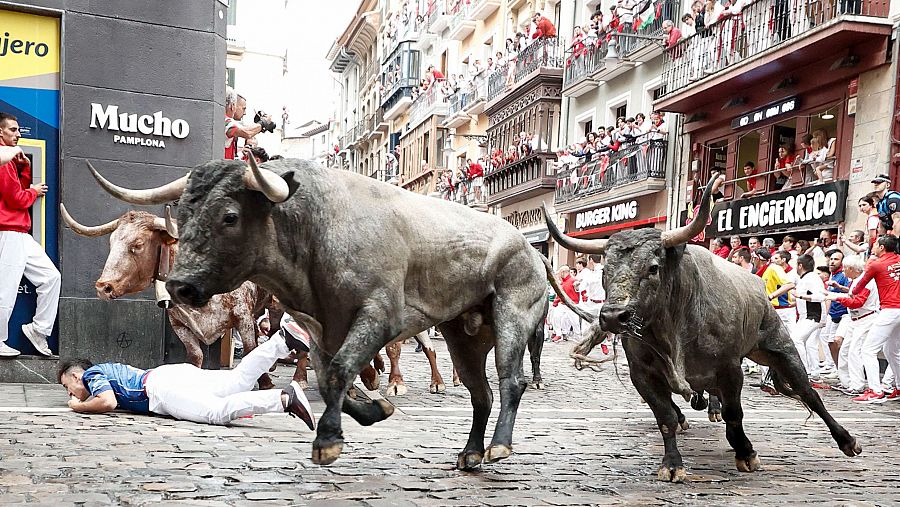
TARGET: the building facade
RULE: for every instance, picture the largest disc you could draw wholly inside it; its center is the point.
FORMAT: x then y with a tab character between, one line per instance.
823	78
118	106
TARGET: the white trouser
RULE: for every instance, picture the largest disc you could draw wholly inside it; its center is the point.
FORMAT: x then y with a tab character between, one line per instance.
591	308
882	335
889	379
827	336
806	338
564	320
788	317
21	255
186	392
850	364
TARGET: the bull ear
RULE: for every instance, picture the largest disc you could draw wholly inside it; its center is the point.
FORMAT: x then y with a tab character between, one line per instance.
674	253
293	185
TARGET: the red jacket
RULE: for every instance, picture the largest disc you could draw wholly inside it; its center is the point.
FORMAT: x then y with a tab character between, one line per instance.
16	196
475	170
545	28
568	286
886	272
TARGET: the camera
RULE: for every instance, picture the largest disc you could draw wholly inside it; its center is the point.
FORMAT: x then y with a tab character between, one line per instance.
267	125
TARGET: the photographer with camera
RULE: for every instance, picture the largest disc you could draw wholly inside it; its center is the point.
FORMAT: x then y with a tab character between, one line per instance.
235	106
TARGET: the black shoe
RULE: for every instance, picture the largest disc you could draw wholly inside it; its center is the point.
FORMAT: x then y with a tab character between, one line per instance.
298	405
419	347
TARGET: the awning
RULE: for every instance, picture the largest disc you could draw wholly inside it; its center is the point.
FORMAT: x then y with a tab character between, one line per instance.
538	236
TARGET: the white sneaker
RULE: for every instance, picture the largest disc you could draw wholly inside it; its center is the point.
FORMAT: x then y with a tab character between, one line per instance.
37	339
7	351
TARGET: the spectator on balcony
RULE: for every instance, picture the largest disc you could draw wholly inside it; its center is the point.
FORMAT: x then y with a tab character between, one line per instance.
712	11
750	170
784	165
658	130
673	34
477	68
535	143
577	45
824	159
625	14
732	34
512	45
804	158
687	25
640	121
603	140
499	60
497	158
432	75
543	27
476	176
512	154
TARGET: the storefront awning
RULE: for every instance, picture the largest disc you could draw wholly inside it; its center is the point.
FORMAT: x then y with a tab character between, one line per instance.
537	236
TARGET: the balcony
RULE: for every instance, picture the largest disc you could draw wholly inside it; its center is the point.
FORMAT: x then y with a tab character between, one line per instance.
479	10
437	18
423	183
580	67
379	126
542	54
763	43
635	169
526	177
404	32
469	101
461	24
456	116
429	103
465	192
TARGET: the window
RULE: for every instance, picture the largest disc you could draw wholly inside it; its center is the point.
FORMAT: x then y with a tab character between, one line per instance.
232	12
588	127
229	80
658	92
621	111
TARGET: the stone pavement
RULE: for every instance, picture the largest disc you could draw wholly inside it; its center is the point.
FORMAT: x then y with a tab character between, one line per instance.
584	440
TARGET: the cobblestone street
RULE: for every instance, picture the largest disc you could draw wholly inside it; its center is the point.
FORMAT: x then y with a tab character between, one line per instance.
585	439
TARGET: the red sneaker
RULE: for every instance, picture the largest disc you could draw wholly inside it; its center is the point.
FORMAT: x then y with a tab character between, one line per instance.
893	395
819	385
605	348
870	396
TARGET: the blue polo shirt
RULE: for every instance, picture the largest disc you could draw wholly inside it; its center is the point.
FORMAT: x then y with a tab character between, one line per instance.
126	382
837	310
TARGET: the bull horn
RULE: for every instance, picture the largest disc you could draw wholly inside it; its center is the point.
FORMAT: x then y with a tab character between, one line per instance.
84	230
159	195
588	246
270	184
683	234
171	224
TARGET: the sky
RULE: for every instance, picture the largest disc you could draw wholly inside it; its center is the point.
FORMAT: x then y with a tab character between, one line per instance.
313	92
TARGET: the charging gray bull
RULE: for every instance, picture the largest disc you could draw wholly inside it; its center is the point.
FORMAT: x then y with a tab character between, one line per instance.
687	317
362	263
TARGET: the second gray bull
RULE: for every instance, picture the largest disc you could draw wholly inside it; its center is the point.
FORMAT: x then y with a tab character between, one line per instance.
361	263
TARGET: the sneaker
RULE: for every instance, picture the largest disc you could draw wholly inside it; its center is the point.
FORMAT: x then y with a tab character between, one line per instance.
7	351
753	368
295	337
298	405
37	339
853	392
870	396
604	348
768	389
819	385
893	395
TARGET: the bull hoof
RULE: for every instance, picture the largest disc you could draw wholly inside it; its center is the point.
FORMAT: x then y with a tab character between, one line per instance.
683	426
749	464
437	388
386	407
372	384
537	385
395	389
496	453
328	454
852	448
698	401
468	460
671	474
273	368
353	393
715	416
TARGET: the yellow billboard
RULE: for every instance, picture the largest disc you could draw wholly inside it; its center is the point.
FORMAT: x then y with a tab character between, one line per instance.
29	51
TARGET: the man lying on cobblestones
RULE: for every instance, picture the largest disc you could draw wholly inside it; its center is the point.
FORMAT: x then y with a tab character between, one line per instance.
186	392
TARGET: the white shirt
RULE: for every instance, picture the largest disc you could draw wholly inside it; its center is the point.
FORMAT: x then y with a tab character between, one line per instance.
872	303
591	283
810	285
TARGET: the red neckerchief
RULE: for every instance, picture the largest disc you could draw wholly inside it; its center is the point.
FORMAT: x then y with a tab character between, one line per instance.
788	268
762	270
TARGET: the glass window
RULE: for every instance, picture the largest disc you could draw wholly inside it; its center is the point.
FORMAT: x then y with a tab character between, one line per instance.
622	111
232	12
229	80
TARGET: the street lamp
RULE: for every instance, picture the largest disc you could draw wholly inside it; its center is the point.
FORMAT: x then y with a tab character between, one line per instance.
612	47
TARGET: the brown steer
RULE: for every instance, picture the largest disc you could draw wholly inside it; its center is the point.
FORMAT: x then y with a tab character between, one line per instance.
138	242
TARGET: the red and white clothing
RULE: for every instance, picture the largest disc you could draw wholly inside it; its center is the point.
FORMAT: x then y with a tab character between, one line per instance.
590	283
20	254
805	334
231	139
885	331
854	328
564	320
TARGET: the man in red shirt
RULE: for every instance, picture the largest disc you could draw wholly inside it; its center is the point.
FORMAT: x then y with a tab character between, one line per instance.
20	254
544	27
564	319
235	107
885	270
476	176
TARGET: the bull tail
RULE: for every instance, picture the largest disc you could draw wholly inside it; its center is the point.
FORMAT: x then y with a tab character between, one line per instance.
782	387
585	316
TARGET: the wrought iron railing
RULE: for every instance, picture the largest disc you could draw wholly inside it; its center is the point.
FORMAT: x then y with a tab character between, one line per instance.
582	62
460	13
758	27
431	101
530	169
631	163
546	52
465	191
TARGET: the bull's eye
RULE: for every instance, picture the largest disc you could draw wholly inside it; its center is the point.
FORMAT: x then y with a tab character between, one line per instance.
230	218
653	269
